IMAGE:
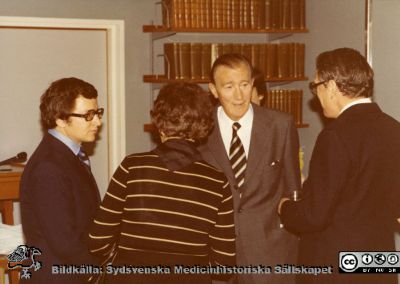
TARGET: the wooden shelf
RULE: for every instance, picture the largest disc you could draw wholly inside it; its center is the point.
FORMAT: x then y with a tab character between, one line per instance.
163	79
148	127
160	29
303	125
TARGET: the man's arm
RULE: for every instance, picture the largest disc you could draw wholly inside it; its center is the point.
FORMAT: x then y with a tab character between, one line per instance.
291	170
329	169
53	205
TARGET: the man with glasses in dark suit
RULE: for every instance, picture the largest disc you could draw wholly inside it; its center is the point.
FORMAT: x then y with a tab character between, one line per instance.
59	195
351	198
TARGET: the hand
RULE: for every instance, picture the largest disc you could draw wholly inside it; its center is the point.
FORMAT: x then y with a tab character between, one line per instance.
283	200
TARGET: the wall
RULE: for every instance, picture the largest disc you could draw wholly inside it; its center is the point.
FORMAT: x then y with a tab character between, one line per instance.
135	14
332	24
384	54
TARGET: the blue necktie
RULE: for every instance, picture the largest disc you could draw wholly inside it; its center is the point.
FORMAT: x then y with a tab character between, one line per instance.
84	158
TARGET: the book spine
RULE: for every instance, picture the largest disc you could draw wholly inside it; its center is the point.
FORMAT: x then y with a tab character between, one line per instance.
187	4
275	14
271	61
291	60
285	14
247	16
268	14
290	102
236	48
184	60
260	14
241	14
194	14
261	59
171	60
175	13
216	51
228	7
246	50
300	106
205	60
220	14
195	60
214	4
283	60
255	54
235	14
224	14
295	14
301	59
208	13
253	17
302	14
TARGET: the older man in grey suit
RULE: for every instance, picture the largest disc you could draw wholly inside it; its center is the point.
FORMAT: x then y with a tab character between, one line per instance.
257	149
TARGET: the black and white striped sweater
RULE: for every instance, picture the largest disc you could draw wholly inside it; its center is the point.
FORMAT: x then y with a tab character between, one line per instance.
158	216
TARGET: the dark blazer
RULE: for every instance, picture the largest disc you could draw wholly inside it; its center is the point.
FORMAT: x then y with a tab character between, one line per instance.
59	198
352	195
272	172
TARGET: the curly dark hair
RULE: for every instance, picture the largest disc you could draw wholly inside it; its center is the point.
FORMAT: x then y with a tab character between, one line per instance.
349	69
59	99
183	110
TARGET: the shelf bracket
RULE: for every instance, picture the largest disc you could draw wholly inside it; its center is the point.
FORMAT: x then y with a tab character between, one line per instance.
160	35
276	36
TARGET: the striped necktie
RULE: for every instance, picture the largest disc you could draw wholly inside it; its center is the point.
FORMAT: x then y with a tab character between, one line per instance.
237	156
84	158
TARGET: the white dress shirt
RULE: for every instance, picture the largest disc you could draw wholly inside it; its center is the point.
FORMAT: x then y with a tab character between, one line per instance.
360	101
244	133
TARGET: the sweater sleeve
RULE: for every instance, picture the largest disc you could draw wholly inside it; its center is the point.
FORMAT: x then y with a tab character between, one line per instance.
222	235
105	229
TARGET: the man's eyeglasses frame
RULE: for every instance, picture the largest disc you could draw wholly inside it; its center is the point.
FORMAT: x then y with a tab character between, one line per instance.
89	116
313	86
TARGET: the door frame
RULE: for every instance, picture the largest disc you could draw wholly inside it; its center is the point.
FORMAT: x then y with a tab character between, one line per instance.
115	72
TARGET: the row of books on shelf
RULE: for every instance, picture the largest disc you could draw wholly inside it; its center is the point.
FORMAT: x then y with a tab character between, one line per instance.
234	14
194	60
289	101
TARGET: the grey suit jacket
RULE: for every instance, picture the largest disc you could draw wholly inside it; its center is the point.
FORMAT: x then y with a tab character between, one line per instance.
272	172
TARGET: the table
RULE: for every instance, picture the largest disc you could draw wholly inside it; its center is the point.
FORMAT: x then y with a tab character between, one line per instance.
9	193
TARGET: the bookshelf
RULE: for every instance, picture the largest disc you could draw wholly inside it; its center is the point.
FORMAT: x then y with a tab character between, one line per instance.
218	17
162	79
164	29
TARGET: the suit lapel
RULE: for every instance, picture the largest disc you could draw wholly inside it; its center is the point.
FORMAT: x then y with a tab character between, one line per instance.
260	142
62	150
217	148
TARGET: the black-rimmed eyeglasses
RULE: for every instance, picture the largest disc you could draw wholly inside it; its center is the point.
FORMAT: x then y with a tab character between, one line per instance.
90	114
313	86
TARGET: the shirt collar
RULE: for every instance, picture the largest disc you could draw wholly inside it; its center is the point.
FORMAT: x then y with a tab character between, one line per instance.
246	119
66	140
359	101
